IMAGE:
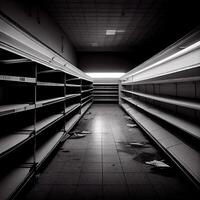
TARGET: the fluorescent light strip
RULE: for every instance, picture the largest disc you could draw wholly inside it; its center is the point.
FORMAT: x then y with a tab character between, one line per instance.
110	32
105	75
179	53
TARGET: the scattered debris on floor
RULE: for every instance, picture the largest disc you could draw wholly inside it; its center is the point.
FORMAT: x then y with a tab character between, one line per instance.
145	156
124	148
76	135
139	144
86	132
88	117
65	151
158	164
131	125
127	117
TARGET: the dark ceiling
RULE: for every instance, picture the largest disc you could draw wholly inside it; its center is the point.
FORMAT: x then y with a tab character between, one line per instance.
147	24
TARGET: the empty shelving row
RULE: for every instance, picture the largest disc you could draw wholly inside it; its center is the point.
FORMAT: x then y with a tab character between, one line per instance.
106	92
167	106
38	107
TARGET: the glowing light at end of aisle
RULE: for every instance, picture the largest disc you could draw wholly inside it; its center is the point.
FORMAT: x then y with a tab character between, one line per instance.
106	75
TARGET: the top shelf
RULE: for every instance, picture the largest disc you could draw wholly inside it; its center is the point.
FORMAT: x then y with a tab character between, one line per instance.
176	121
175	101
73	79
15	61
87	90
21	79
173	80
106	88
72	85
13	108
49	71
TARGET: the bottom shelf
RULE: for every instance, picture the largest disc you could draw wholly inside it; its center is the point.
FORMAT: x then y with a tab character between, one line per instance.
85	108
10	141
106	100
69	125
10	182
43	151
183	155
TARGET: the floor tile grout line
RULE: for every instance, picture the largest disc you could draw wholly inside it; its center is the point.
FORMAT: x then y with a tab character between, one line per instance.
102	179
126	183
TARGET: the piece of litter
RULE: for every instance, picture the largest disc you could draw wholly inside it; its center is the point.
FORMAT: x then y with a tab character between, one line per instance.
77	135
86	132
157	163
143	144
127	117
137	144
65	151
131	125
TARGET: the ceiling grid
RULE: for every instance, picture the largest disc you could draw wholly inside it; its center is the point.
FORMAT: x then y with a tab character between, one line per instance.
138	24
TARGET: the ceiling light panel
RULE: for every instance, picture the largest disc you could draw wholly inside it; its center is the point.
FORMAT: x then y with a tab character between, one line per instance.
110	32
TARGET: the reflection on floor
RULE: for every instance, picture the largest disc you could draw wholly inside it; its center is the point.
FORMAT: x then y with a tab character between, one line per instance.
103	166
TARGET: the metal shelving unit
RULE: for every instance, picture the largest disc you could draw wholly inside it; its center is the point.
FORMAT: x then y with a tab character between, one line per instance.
38	108
106	92
86	94
163	98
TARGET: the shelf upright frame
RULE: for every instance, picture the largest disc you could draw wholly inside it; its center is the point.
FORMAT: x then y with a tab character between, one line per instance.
35	121
81	89
65	92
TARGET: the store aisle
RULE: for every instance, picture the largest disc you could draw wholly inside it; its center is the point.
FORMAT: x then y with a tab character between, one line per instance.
103	165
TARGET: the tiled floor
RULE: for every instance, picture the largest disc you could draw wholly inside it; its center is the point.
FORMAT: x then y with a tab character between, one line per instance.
103	166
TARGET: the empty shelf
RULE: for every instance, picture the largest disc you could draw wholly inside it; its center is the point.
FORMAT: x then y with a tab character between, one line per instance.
68	96
49	84
73	85
170	80
182	124
96	84
17	79
105	99
175	101
99	92
48	71
11	181
86	101
85	108
46	122
9	142
15	61
87	90
187	158
106	88
71	108
84	98
72	79
48	101
13	108
43	151
72	122
106	95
